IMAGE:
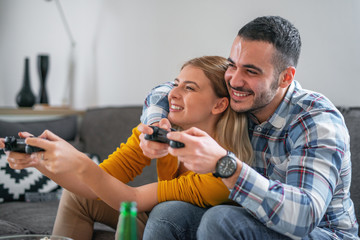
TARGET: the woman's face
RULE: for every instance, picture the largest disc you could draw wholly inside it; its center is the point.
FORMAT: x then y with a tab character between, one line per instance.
192	99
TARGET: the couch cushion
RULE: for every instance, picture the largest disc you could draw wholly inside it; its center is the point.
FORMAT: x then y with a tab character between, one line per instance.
32	218
352	119
65	127
9	228
103	129
38	218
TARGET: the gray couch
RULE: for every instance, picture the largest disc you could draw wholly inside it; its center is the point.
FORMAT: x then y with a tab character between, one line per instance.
100	132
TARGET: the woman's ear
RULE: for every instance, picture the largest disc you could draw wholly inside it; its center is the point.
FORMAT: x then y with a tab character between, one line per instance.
286	77
220	106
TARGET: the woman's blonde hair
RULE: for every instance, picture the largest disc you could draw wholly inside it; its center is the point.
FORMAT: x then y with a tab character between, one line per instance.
232	128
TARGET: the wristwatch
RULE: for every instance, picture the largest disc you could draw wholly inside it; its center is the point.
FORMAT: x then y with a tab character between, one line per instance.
226	166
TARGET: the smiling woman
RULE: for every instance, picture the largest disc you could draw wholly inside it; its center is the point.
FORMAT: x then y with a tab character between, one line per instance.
194	100
199	97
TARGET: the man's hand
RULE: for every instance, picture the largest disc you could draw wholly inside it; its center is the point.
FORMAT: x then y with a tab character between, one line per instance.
153	149
201	152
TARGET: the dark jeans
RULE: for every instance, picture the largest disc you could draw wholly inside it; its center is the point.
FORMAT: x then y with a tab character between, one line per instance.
181	220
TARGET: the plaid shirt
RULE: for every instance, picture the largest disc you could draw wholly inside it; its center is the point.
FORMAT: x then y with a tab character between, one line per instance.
301	175
156	105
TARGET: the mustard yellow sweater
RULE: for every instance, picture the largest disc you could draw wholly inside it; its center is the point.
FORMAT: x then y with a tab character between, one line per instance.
203	190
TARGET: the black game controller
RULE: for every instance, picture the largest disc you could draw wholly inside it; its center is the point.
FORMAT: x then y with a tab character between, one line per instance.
13	144
159	135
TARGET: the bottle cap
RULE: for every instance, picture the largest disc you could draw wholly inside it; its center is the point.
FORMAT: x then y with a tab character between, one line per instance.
128	207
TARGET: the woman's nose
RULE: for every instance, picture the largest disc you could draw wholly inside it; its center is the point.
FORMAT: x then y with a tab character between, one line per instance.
174	93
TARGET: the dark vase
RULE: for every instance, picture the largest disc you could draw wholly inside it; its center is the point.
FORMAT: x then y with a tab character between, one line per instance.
26	97
43	67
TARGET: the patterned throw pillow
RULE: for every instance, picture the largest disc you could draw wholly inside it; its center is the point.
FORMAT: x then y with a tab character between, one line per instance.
15	183
28	184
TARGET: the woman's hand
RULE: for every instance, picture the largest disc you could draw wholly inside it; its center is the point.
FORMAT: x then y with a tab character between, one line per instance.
59	161
201	152
20	160
59	156
2	143
153	149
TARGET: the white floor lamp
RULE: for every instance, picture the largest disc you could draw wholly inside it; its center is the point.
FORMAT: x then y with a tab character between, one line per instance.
68	98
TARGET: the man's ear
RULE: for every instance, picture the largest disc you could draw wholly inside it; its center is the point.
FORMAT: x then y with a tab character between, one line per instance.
220	106
286	77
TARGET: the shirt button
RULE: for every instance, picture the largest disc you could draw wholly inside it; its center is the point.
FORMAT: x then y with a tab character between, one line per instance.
238	199
259	129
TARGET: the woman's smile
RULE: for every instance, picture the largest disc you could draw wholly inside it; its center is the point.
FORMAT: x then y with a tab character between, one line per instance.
175	108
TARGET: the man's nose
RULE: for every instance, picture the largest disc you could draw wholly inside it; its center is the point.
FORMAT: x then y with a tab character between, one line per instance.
236	79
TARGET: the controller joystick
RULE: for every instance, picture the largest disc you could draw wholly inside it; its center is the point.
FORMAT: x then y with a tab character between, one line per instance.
176	144
159	135
13	144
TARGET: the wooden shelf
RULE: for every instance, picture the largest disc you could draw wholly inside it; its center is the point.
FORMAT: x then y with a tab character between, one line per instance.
40	110
37	113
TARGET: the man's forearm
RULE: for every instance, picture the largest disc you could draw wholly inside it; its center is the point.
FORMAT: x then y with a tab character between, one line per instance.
156	105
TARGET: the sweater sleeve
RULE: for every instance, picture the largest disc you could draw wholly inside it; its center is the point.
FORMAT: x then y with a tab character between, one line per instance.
203	190
128	160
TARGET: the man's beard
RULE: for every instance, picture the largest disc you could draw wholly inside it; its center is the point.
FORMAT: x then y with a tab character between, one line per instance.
260	102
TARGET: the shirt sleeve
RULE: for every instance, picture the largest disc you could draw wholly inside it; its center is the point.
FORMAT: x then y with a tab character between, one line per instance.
156	105
317	144
203	190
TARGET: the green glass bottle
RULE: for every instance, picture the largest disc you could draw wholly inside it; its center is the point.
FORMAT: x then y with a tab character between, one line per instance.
127	226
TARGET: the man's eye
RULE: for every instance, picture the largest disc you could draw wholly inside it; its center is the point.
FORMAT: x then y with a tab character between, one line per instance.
231	65
251	72
175	84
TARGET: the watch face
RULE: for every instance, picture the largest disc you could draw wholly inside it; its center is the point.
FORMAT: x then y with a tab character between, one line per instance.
226	167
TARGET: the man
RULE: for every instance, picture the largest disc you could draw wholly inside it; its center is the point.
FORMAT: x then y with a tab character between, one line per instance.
298	185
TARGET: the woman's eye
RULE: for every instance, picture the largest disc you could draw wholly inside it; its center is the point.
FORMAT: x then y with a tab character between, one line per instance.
175	84
189	88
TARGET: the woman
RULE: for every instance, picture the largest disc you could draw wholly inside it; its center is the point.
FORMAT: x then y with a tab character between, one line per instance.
199	99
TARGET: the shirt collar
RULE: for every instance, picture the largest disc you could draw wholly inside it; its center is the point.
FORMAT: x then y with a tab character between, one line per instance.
278	118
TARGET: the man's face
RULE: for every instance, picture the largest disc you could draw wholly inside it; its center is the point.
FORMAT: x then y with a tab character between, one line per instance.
250	78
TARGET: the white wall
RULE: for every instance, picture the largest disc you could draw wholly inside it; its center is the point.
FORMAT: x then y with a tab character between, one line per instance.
124	48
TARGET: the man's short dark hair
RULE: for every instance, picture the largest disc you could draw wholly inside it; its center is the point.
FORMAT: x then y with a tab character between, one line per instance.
279	32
